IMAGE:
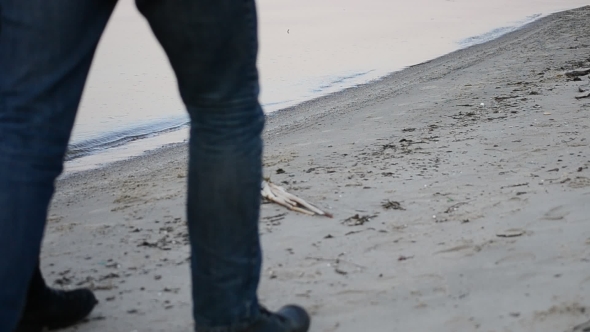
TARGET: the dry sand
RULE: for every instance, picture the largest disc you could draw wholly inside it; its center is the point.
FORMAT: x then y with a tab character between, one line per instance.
489	233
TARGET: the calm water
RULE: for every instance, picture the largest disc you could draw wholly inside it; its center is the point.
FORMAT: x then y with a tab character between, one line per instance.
308	48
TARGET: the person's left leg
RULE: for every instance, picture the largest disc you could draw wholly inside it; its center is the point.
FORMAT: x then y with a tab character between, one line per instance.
212	46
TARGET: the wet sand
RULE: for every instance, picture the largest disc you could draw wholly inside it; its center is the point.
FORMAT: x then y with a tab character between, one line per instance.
485	150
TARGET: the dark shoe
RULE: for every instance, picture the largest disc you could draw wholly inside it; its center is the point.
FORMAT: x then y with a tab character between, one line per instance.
57	309
289	318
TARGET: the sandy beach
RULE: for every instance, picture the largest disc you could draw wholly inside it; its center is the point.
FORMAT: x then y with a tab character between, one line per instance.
459	187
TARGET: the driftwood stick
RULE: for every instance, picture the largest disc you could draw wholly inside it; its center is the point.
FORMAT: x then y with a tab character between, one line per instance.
279	195
297	200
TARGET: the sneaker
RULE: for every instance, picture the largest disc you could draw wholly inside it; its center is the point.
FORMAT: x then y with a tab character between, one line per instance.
289	318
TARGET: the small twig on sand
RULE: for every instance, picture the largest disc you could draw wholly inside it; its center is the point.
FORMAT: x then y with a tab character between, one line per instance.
279	195
578	72
335	261
515	185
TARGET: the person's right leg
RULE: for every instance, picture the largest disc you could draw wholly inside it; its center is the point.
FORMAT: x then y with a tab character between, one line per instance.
46	48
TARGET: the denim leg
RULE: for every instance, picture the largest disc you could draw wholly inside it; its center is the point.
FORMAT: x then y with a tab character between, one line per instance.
212	46
46	49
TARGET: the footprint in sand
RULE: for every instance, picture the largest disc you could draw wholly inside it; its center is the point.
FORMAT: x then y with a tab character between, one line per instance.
459	251
557	213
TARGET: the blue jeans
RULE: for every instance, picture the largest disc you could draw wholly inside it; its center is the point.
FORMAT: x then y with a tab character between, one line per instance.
46	49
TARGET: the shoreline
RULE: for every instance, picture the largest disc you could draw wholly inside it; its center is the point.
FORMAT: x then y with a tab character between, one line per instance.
278	121
371	50
448	215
